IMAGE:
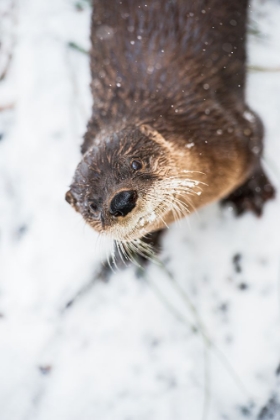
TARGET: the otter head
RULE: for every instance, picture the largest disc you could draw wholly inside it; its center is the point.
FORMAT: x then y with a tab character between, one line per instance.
126	183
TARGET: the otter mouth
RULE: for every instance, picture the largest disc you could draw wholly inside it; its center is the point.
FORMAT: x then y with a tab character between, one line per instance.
155	215
152	219
133	242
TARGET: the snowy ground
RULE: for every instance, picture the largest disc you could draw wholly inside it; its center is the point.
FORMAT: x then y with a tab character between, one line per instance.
131	348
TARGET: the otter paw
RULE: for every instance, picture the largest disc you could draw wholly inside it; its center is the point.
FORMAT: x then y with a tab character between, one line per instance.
252	195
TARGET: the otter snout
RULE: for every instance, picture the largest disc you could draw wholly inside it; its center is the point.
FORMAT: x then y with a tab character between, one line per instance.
123	203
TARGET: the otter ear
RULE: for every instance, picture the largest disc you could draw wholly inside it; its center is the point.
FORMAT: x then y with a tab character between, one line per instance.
71	200
148	130
154	134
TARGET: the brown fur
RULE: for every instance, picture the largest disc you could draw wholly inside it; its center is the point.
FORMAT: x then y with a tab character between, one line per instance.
168	83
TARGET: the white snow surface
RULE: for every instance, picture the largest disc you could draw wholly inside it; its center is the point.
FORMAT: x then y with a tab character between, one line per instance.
132	348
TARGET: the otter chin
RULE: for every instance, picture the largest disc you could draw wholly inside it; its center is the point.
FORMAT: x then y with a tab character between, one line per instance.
170	130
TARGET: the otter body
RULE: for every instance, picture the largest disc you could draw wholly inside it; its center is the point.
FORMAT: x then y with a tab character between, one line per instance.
170	130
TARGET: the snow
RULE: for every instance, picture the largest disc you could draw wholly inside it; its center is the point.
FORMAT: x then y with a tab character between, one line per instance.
136	347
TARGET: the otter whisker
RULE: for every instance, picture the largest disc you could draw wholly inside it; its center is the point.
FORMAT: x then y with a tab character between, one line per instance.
121	251
136	247
128	251
142	248
163	221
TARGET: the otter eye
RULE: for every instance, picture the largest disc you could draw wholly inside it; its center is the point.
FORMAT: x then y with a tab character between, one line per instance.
136	165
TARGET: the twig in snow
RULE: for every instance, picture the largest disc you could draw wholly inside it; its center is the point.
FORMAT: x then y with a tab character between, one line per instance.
77	47
263	69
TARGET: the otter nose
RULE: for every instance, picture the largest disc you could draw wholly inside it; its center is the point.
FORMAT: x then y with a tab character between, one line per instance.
123	203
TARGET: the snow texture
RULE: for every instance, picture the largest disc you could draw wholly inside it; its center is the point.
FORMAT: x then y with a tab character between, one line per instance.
201	344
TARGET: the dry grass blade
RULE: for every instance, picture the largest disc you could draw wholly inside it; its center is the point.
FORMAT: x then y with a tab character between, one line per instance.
199	325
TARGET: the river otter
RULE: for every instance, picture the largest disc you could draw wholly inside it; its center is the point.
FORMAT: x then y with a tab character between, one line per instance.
170	130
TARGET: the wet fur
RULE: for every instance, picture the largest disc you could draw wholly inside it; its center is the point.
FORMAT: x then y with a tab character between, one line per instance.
168	81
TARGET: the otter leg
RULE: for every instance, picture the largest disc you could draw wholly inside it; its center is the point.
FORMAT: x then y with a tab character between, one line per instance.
253	194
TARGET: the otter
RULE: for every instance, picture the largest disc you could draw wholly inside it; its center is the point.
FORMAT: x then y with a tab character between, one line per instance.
170	129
